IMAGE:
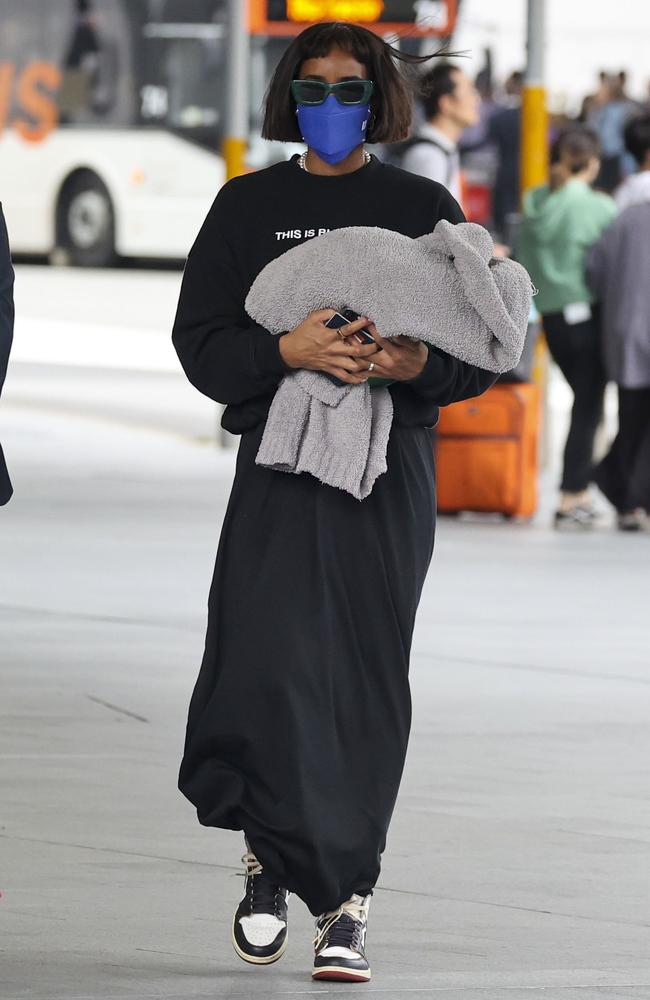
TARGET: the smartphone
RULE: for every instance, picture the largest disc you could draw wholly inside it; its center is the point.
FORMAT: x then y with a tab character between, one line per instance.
349	316
361	336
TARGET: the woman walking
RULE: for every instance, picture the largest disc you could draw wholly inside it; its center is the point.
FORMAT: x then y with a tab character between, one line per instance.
561	222
300	717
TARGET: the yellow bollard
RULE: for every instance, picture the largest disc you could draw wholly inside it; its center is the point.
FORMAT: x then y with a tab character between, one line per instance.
534	137
234	154
534	171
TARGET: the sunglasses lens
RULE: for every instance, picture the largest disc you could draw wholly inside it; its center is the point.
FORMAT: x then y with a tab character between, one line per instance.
309	91
352	92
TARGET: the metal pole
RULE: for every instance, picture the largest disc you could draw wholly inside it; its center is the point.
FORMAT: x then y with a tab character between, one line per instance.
236	135
534	118
534	161
235	140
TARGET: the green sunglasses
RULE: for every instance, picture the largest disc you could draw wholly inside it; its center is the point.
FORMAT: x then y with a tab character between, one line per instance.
346	92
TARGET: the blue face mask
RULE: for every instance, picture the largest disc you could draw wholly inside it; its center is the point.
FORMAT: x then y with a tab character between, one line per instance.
333	130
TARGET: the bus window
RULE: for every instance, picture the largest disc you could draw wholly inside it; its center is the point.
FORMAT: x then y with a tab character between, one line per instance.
183	70
90	44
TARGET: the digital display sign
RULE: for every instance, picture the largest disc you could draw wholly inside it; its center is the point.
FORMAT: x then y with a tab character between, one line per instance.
407	17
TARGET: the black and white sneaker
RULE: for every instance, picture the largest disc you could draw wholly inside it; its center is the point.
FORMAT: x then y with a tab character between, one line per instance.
340	941
582	517
259	927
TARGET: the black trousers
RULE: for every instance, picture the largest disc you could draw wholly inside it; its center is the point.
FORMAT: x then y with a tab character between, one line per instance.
624	474
576	350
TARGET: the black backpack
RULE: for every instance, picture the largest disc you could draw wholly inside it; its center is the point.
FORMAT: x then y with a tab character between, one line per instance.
396	153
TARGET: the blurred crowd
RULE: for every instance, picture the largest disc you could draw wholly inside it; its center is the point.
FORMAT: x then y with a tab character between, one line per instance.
484	129
584	238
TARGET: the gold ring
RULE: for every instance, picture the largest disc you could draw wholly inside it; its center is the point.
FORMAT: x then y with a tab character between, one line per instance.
340	333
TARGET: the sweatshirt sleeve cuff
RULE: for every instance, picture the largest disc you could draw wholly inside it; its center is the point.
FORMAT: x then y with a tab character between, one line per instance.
268	360
430	374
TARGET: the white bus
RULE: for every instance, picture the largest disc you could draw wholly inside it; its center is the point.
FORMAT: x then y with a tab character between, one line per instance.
111	113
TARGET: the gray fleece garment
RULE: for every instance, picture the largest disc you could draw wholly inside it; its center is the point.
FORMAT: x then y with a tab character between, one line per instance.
444	288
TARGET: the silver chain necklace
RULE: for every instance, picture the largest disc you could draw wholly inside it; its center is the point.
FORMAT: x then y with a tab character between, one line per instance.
302	160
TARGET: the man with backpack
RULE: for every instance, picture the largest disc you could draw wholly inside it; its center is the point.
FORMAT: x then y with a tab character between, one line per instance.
451	104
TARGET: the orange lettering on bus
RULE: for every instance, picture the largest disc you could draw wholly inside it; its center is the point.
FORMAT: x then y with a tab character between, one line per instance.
6	81
40	106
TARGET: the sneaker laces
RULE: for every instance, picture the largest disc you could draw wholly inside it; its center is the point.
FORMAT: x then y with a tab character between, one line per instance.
253	867
344	933
262	893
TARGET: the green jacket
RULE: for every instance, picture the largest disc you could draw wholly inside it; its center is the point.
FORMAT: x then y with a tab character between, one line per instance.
558	228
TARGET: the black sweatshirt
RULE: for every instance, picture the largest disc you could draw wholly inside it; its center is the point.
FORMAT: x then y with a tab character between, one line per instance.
254	219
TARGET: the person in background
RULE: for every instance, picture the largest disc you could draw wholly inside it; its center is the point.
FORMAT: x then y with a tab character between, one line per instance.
83	50
476	137
505	134
635	189
608	119
479	156
561	221
451	104
618	270
6	336
591	102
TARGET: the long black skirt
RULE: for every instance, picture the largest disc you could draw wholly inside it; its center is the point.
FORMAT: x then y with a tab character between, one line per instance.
299	721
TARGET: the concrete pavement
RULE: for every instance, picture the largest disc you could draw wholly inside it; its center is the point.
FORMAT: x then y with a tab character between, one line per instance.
517	864
518	859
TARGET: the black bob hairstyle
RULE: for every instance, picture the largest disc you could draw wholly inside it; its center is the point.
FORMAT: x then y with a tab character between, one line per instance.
392	100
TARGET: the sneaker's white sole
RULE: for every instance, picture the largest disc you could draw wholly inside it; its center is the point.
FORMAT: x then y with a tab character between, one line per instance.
569	526
340	974
252	958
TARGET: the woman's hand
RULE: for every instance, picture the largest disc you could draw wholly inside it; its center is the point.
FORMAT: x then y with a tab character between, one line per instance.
317	347
401	358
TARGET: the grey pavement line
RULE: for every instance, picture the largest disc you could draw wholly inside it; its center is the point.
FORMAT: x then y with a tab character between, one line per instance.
115	850
604	836
380	888
34	915
116	708
477	662
174	954
465	990
66	756
164	623
123	421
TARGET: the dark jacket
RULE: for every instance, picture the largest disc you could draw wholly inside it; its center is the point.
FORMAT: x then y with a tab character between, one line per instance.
6	335
504	131
618	268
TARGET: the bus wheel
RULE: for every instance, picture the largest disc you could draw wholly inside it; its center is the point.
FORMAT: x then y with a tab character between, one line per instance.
85	221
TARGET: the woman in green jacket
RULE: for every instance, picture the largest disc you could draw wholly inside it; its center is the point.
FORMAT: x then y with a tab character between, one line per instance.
562	220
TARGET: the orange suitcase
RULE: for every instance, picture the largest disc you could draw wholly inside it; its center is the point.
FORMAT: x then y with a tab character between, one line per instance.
487	452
